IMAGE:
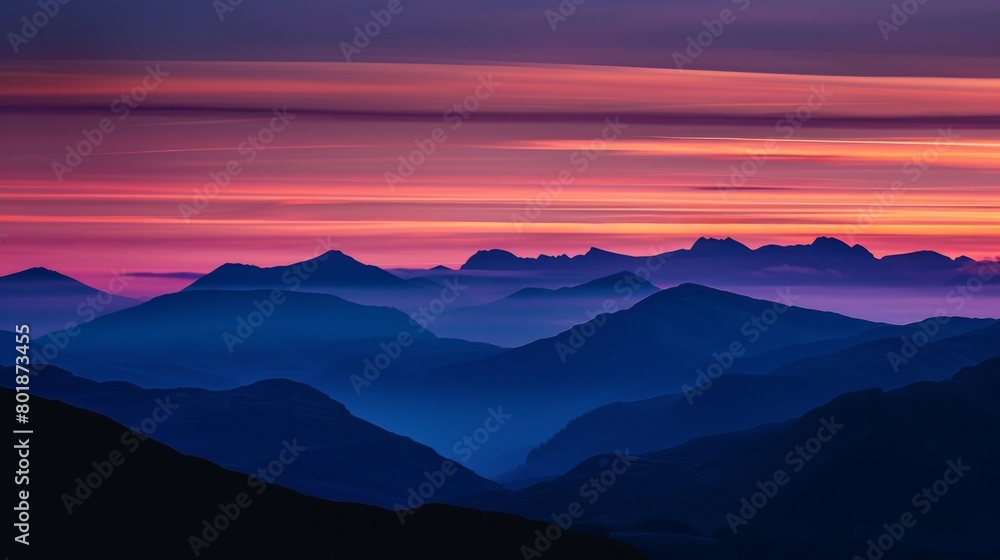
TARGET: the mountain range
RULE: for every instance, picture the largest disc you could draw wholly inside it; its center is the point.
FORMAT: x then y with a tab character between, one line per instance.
51	301
826	485
344	459
93	474
738	401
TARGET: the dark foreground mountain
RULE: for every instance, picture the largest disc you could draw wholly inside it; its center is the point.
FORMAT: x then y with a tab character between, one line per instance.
912	470
153	502
344	457
47	300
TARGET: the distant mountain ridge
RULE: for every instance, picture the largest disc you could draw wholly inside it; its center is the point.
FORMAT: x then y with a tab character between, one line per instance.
48	301
530	314
722	261
221	339
333	273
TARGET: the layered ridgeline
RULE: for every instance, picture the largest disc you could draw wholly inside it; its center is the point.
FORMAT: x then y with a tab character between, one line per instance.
534	313
911	471
727	262
654	348
338	456
333	273
738	401
49	301
221	339
93	473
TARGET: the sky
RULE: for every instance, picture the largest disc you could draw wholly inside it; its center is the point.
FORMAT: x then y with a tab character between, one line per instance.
534	139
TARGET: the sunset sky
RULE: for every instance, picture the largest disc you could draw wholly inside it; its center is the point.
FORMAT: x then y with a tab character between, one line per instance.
871	114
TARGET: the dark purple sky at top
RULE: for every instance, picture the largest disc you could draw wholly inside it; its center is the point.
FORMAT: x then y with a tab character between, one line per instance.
942	38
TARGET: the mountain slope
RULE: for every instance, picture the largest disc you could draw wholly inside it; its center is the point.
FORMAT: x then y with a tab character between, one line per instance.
735	402
653	348
158	500
47	300
727	262
872	453
243	336
332	273
533	313
348	459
